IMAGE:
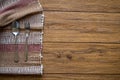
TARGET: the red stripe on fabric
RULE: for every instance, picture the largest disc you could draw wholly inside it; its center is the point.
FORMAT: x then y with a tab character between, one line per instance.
21	47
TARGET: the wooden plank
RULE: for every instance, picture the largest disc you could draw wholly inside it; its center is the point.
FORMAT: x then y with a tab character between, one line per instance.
81	58
82	5
82	27
62	77
79	20
77	36
80	77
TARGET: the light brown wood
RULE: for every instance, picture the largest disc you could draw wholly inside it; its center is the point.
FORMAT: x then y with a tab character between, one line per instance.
80	77
77	36
82	58
81	41
82	5
82	20
82	27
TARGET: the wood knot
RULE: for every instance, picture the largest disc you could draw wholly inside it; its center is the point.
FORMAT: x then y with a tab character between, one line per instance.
58	55
69	56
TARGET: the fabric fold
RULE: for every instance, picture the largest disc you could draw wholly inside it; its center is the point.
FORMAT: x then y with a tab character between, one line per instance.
11	10
21	11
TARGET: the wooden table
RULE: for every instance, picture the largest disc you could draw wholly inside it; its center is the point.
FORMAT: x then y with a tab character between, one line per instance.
81	41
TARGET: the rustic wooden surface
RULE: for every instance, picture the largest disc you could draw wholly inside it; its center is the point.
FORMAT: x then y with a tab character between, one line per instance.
81	41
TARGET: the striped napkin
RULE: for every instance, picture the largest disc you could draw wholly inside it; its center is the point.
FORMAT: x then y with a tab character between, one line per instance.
23	11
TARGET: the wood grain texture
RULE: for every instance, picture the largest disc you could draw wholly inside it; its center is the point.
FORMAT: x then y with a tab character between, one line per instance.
80	77
82	58
82	27
76	20
77	36
77	17
81	41
81	37
82	5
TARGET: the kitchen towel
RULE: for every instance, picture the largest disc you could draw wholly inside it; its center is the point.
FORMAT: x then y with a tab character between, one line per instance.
22	11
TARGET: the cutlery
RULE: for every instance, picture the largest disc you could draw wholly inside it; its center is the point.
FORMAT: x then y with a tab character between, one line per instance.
27	33
15	32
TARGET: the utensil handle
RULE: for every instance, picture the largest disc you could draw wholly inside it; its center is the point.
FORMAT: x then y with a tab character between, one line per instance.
16	57
26	49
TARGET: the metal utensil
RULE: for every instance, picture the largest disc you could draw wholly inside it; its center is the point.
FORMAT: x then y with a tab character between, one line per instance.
27	33
15	32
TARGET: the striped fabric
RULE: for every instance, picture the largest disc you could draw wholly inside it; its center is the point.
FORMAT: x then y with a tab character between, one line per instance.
22	11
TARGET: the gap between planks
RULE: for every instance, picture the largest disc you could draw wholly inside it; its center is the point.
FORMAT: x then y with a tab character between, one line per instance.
61	77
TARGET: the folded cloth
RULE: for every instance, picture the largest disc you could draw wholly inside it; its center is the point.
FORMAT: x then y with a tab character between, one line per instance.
7	53
23	11
11	10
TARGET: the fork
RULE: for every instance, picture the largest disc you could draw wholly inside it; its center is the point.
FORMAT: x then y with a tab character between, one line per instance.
15	32
27	33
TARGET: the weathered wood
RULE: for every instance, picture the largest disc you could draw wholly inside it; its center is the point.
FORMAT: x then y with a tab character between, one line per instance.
79	77
82	5
78	36
81	58
85	36
83	21
82	27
